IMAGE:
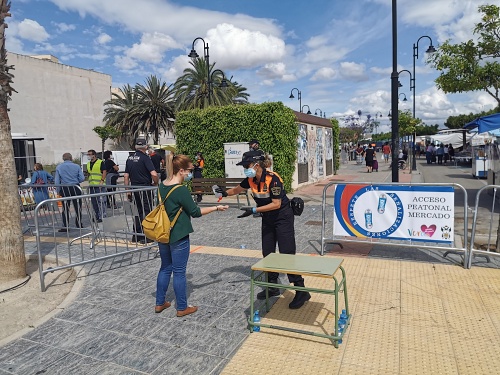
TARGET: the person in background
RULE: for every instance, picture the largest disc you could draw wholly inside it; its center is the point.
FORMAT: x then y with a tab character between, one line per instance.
69	173
451	152
254	145
199	164
140	171
110	175
369	155
95	169
175	254
428	153
277	216
38	178
440	154
446	154
156	159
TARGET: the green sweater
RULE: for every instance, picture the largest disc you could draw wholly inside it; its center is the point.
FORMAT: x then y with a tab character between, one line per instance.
180	197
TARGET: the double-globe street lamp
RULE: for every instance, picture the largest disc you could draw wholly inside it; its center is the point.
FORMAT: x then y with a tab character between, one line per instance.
430	49
193	54
299	97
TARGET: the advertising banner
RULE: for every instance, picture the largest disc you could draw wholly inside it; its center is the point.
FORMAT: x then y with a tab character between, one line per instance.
416	213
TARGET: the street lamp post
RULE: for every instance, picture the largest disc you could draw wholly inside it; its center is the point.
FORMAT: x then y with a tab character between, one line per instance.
404	96
413	159
394	93
299	96
308	109
193	54
430	49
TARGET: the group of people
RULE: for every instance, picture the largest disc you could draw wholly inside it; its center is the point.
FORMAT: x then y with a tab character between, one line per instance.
369	156
440	155
271	203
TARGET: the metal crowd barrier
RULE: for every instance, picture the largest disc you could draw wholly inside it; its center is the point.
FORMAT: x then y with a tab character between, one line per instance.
493	219
70	228
392	242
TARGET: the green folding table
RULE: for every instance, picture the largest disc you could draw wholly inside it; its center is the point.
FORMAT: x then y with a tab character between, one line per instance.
325	267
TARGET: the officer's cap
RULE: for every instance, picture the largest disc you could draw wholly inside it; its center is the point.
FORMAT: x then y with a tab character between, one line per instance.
254	141
251	157
141	142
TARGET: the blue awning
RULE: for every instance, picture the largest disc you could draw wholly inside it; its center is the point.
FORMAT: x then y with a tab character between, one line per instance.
485	124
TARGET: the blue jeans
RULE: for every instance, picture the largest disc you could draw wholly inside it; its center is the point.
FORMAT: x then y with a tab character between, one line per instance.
174	257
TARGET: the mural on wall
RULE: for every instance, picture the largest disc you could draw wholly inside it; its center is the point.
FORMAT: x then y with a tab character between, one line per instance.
328	144
319	151
311	137
302	149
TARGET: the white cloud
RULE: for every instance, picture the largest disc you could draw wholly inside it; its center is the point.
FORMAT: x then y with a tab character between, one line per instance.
233	47
103	38
54	49
272	71
353	71
125	63
32	30
152	48
64	27
183	23
324	74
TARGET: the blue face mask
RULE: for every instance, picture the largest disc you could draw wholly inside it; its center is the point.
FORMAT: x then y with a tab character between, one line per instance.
250	172
188	177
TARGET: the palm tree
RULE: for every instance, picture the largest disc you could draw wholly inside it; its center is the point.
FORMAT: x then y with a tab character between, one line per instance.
154	109
118	113
12	258
191	89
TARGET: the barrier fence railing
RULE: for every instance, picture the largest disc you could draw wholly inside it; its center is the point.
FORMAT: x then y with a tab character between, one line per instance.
396	214
493	227
88	228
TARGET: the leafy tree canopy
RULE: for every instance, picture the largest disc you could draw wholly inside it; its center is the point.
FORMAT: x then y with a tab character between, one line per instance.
472	65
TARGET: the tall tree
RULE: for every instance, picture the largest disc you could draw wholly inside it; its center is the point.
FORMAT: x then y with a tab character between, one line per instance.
154	110
12	258
118	110
471	65
192	88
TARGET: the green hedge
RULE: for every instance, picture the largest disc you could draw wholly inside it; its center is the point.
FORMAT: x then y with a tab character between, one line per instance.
206	130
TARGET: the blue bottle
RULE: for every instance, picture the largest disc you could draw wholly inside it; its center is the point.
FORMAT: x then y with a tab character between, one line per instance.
368	219
343	315
256	319
382	200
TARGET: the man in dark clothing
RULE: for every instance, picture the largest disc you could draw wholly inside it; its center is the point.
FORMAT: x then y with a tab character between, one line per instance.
140	171
156	159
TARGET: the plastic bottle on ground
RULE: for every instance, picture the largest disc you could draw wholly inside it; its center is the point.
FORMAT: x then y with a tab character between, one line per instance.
256	319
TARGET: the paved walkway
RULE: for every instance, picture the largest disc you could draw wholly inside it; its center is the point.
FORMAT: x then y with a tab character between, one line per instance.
408	317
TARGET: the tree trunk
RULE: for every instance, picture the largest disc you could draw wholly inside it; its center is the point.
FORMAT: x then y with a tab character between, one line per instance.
12	258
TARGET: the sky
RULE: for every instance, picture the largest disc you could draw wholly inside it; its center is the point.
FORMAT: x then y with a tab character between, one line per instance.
337	53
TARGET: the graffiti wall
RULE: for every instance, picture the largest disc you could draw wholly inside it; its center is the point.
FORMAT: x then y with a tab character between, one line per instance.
302	149
319	151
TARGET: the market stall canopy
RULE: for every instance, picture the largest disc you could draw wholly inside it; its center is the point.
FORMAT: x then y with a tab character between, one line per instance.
165	147
485	124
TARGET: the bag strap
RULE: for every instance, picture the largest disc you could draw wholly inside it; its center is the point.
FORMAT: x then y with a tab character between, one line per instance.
172	223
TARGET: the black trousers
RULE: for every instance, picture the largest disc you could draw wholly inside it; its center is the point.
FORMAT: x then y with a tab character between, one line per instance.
144	203
278	226
70	191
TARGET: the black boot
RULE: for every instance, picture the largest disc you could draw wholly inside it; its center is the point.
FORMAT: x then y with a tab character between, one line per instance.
300	297
273	292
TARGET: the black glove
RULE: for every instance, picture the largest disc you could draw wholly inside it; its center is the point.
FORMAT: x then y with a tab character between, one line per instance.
221	191
248	211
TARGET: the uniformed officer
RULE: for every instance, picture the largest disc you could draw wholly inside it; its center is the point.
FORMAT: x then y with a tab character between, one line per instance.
140	171
277	216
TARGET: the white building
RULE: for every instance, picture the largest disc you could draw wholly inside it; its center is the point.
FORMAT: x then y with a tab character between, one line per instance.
59	103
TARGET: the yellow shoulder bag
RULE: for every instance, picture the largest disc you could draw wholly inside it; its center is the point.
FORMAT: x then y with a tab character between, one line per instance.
156	225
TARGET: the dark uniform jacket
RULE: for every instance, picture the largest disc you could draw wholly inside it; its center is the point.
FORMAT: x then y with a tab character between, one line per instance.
268	188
